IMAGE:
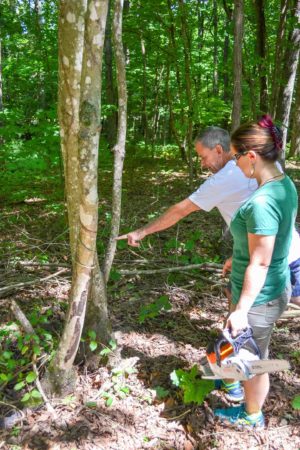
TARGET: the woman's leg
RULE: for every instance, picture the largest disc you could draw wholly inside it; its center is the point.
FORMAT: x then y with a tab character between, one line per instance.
256	390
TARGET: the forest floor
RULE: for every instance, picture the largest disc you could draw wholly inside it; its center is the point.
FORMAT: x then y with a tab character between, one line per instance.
146	411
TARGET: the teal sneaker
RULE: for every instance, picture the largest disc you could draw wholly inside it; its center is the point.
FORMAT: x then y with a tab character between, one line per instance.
233	391
238	417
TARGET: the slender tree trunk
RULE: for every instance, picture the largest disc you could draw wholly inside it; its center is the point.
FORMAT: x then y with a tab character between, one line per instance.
215	31
119	149
85	64
227	91
238	20
172	127
261	53
111	121
295	135
144	118
42	53
188	83
277	71
200	32
291	70
1	92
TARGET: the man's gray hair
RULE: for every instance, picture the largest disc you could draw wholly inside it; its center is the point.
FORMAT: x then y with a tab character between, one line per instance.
212	136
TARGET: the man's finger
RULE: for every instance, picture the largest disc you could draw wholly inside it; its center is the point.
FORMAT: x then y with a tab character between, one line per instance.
124	236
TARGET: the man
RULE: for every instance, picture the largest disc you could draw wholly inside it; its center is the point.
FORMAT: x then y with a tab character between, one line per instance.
227	189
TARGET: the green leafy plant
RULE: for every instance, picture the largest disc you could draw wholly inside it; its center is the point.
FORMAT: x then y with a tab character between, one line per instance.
117	387
161	392
107	350
154	309
194	389
296	402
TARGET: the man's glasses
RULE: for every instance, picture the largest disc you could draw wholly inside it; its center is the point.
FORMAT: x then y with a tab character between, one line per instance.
237	156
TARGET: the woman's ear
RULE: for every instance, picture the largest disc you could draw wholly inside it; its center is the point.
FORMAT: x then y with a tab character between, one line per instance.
252	155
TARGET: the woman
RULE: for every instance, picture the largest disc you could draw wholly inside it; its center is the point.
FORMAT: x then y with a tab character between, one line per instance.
262	230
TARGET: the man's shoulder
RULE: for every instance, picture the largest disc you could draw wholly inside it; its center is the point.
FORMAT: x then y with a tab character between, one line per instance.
229	174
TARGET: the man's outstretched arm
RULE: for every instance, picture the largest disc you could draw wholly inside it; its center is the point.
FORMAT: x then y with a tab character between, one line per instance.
166	220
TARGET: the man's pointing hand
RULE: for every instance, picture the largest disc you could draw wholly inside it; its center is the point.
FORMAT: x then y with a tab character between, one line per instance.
133	238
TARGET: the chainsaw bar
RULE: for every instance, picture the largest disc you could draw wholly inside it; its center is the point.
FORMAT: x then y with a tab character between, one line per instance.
239	369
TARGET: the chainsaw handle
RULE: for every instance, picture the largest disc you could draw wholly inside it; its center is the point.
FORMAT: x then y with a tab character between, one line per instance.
245	336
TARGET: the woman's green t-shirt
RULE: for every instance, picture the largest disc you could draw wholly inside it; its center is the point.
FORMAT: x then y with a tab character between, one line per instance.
270	211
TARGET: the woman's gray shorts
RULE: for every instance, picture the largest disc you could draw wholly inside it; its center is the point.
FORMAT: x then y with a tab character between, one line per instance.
262	318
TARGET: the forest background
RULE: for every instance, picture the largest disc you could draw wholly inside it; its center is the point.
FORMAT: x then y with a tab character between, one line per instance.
186	65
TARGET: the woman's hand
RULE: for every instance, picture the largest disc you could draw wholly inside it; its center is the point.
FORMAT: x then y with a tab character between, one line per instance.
227	266
237	321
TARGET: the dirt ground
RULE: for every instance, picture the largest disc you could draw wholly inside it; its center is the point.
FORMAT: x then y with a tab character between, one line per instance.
147	410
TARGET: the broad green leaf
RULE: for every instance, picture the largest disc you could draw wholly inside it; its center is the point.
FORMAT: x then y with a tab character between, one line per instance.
296	402
26	397
35	394
93	345
31	377
109	401
92	334
19	386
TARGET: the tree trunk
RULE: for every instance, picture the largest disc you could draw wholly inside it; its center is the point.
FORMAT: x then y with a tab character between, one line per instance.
295	135
119	149
291	63
111	121
144	118
215	30
1	92
238	20
172	121
188	83
277	71
85	23
227	91
261	53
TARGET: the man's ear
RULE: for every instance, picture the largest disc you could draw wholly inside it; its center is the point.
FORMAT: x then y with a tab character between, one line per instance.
219	149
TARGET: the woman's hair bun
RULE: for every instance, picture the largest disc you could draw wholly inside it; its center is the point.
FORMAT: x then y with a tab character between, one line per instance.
266	122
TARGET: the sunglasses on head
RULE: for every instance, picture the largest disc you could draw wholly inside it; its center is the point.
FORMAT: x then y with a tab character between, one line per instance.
237	156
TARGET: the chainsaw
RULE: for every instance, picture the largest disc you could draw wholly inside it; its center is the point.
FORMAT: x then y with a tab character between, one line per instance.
237	358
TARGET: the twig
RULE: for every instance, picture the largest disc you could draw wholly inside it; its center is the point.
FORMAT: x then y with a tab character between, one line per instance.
20	316
36	264
202	266
41	391
180	416
17	286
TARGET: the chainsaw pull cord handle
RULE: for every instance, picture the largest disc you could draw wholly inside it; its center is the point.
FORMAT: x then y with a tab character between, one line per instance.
246	335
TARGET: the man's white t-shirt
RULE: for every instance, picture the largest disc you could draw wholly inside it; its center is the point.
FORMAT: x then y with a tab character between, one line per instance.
227	190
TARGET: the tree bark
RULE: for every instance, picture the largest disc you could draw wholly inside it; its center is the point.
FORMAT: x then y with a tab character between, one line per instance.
261	53
111	121
85	22
238	20
284	6
1	92
228	20
295	134
215	30
119	149
291	63
188	83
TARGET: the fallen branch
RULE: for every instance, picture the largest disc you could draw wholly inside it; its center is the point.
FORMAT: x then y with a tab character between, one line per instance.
20	316
15	287
203	266
290	314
